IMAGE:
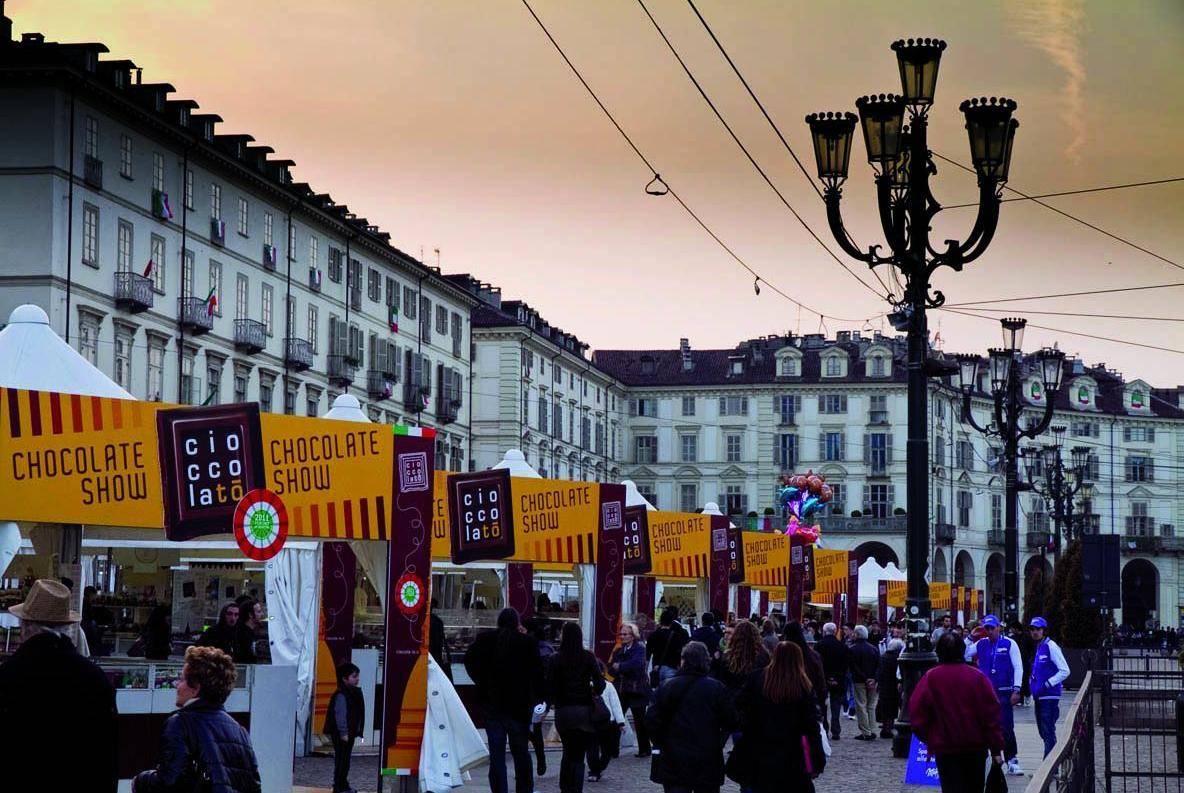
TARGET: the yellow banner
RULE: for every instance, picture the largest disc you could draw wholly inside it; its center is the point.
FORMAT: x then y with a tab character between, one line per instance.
679	544
766	559
334	477
896	593
974	604
441	539
939	595
831	573
66	458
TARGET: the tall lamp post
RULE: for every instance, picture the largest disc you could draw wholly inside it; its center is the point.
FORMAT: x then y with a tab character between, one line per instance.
1060	483
1005	367
903	164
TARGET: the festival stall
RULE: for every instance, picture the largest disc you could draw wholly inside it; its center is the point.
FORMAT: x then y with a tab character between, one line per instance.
113	465
961	603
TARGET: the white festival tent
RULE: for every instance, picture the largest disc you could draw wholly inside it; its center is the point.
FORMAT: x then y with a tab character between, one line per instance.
871	573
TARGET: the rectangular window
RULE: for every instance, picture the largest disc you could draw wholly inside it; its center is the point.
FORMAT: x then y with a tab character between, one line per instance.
1138	434
688	406
290	400
832	403
785	452
241	296
214	384
314	251
690	448
373	284
838	498
544	414
268	304
425	319
646	449
877	409
188	385
458	337
441	320
216	202
266	389
735	500
1140	468
158	263
879	500
122	367
268	229
123	252
290	316
996	511
158	172
965	507
834	366
557	423
688	497
125	156
733	406
409	302
1139	523
734	447
88	339
643	407
90	141
216	286
313	320
312	402
187	287
90	235
243	216
240	388
964	455
878	366
878	452
832	446
788	367
155	370
291	239
787	407
189	190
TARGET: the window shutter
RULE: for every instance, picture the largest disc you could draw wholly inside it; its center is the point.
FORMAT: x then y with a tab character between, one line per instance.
843	404
842	446
867	449
1126	433
822	447
777	446
821	403
891	498
1151	434
888	448
867	498
1150	469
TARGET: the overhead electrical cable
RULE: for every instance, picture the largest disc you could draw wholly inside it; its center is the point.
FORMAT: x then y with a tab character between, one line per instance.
1065	294
756	165
654	171
1074	192
967	313
1090	314
1074	218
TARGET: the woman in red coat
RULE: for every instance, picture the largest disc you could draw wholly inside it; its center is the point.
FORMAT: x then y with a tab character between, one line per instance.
954	710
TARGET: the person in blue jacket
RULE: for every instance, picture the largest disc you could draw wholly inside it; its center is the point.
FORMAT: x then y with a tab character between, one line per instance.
1049	670
999	659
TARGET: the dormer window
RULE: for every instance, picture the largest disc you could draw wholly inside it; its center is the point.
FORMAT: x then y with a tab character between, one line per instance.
737	367
789	367
834	367
648	366
877	366
120	78
207	132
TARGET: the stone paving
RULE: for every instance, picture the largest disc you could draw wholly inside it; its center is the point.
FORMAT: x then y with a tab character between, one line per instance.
853	766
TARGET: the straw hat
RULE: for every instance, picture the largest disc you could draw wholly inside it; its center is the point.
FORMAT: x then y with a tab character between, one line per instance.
48	602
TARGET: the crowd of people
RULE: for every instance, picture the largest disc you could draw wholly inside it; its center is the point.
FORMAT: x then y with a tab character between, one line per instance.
778	691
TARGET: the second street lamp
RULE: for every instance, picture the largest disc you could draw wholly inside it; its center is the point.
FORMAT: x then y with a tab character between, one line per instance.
900	157
1008	409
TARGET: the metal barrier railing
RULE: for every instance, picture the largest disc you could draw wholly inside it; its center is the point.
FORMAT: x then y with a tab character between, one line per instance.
1069	768
1142	718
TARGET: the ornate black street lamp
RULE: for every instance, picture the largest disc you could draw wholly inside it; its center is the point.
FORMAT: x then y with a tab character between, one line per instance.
1005	373
1059	484
899	154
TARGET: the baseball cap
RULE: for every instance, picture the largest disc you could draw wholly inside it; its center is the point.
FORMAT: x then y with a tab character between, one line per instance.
1038	622
990	621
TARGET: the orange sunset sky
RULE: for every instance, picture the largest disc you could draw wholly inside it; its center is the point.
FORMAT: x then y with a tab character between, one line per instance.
455	125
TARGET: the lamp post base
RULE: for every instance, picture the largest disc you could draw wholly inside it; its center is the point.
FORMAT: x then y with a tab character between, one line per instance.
918	658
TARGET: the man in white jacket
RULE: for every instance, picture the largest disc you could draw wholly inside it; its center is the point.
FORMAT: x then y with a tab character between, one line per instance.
1049	670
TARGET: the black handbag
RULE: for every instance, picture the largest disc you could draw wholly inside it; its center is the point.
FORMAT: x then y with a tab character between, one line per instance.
740	763
600	714
996	782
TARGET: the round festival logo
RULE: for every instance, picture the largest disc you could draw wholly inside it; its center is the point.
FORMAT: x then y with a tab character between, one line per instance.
260	524
410	590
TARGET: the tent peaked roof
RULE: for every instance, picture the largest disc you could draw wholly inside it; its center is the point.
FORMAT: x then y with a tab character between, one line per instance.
33	357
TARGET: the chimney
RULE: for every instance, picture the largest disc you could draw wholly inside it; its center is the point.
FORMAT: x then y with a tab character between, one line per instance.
5	27
684	348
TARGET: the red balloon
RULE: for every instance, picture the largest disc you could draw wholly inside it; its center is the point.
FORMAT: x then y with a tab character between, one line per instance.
826	493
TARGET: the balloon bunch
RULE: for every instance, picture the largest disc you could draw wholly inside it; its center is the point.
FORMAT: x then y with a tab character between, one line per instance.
803	495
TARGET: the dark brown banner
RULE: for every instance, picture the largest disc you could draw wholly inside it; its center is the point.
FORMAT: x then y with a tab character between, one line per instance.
339	570
743	601
735	555
610	562
646	587
637	541
481	516
720	566
852	588
520	588
409	570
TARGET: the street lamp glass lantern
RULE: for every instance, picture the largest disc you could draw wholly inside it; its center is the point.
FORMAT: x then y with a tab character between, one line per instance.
1028	460
988	124
832	133
1052	454
1006	169
882	117
1013	332
1080	458
1000	368
1051	368
918	60
967	371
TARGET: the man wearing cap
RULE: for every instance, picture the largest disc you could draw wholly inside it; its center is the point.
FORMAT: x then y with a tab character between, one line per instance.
57	709
999	659
1049	670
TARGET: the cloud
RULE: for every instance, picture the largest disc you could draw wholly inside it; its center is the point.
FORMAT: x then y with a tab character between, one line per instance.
1055	27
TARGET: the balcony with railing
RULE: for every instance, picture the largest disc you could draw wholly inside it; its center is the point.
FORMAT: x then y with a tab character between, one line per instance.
314	278
194	315
1168	539
877	417
250	335
1037	540
447	405
415	396
945	533
133	292
996	538
379	384
1140	533
92	172
298	354
838	524
355	298
341	371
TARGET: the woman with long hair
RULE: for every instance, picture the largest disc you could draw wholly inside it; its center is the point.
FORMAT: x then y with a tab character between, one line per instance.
782	741
575	679
745	655
794	633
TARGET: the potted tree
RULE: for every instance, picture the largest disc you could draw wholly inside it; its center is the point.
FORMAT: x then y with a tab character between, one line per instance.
1077	628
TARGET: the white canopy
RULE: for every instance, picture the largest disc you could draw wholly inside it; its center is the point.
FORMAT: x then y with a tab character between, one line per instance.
515	461
346	407
870	576
32	356
633	496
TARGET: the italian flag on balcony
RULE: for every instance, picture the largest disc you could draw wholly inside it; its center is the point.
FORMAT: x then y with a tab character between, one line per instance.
149	268
211	303
417	432
394	319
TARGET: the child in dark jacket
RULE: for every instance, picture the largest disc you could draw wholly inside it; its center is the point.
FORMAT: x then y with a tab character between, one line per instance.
344	723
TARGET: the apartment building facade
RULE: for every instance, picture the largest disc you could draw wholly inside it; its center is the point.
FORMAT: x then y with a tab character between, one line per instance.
535	389
723	425
190	267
